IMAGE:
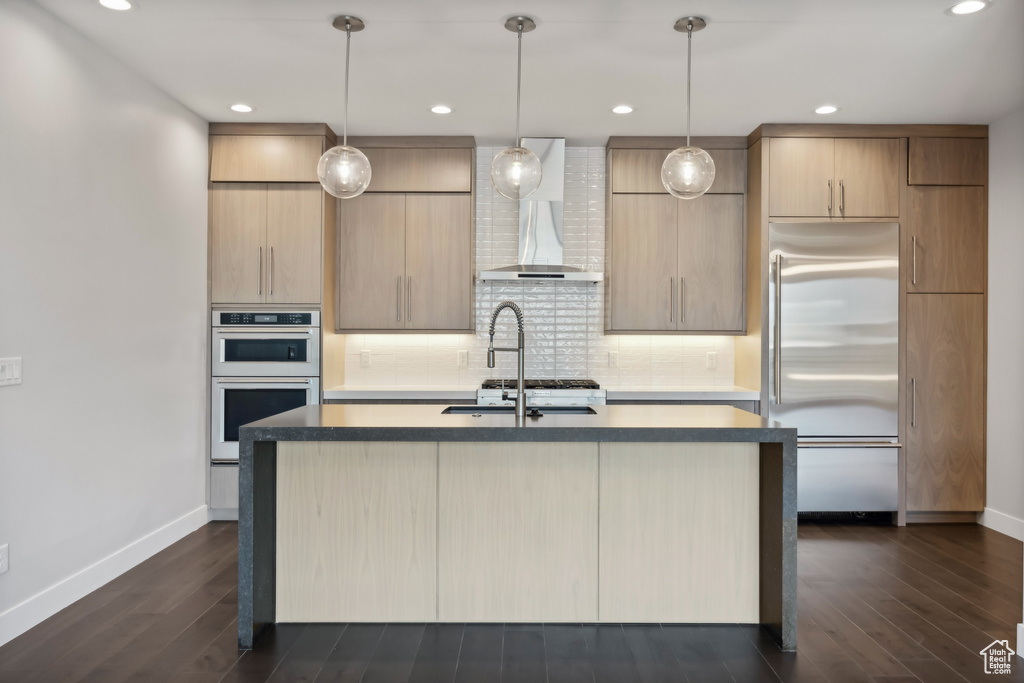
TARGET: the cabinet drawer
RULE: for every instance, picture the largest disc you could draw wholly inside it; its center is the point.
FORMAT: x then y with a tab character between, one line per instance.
420	169
639	170
265	158
948	161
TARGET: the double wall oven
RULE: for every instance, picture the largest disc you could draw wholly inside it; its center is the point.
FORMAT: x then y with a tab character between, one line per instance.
263	363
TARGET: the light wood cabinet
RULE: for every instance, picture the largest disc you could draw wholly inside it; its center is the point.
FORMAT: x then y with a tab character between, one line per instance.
265	242
945	242
420	169
675	265
405	263
946	404
948	161
639	170
265	158
517	532
834	177
356	531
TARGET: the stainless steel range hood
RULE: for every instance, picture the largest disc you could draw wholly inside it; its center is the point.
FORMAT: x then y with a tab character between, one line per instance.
540	224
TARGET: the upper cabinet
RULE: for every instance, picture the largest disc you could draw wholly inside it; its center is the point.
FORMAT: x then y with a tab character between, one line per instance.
639	170
674	265
834	177
405	246
265	242
267	213
945	239
948	161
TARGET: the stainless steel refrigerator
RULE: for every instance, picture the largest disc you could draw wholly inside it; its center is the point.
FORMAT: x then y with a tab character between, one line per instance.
833	359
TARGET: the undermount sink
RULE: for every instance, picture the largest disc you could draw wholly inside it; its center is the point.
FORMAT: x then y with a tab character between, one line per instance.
531	411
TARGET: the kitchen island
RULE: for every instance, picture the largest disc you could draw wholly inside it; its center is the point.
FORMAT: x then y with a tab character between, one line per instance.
638	514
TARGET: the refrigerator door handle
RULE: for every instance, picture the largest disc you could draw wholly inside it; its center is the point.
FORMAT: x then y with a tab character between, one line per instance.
778	329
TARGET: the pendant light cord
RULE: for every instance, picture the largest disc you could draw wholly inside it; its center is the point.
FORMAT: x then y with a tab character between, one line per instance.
519	83
689	47
348	50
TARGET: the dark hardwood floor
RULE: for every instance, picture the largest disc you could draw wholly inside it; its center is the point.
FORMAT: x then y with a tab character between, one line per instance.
876	604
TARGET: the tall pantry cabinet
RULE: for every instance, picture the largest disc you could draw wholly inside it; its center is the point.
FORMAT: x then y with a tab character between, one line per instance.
267	213
933	181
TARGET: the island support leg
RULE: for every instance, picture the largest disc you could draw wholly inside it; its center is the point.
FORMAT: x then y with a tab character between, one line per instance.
778	542
257	539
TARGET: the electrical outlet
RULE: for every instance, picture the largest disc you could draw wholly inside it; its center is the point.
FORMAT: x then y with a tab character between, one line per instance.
364	358
10	371
712	360
5	561
613	359
463	361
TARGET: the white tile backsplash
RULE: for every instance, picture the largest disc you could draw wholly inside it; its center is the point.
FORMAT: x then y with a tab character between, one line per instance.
564	322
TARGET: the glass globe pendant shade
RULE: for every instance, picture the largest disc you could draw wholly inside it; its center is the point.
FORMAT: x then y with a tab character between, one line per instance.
516	172
688	172
344	171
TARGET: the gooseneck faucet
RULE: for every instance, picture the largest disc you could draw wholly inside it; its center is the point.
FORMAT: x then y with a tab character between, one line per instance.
521	382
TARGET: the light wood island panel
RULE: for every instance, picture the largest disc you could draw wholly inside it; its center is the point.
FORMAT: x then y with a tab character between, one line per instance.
356	531
517	532
679	532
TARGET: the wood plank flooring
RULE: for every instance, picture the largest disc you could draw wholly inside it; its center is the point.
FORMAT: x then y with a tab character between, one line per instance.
877	604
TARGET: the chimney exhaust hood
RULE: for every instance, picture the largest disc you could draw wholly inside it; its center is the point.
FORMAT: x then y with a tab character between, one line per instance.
540	224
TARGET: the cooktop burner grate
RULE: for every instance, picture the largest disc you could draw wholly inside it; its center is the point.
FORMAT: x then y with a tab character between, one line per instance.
542	384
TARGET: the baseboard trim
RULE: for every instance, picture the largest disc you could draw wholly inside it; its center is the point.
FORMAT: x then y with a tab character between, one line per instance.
942	517
1002	522
223	514
46	603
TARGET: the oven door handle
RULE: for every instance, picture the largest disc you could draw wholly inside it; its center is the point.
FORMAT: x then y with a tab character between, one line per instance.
261	380
250	331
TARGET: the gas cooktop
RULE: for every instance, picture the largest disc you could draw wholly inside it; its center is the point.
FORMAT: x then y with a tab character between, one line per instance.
510	384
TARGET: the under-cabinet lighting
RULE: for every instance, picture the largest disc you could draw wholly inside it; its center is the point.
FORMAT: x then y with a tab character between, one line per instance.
241	108
119	5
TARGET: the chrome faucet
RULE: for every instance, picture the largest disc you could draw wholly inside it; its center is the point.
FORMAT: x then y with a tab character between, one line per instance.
521	382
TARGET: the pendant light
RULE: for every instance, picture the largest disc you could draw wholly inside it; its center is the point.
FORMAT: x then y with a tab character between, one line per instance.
345	171
688	171
516	171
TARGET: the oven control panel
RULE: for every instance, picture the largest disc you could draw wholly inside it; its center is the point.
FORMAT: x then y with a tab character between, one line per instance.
265	318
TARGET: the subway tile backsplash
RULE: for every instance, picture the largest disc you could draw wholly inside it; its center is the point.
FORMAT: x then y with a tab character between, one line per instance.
564	322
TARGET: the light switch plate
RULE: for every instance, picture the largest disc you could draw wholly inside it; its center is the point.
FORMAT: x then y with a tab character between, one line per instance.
463	361
712	360
10	371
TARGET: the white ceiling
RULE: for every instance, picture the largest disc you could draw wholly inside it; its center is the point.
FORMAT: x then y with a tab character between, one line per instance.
759	61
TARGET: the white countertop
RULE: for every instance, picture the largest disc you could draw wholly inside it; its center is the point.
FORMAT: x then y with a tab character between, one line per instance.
622	392
398	392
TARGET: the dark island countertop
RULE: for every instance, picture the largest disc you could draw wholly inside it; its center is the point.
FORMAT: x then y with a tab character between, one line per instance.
428	423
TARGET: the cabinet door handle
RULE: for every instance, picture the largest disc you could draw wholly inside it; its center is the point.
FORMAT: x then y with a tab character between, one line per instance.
913	260
398	309
778	329
672	299
682	300
408	300
271	271
259	273
913	402
830	197
842	197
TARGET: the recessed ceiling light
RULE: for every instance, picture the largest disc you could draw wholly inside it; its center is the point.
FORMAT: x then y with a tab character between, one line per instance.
622	109
969	6
441	109
241	108
119	5
826	109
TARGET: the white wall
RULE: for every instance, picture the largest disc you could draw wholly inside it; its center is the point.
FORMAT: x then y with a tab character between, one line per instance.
1005	499
103	294
564	322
